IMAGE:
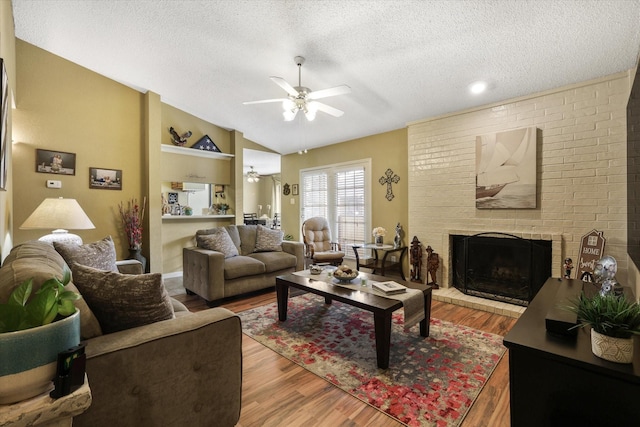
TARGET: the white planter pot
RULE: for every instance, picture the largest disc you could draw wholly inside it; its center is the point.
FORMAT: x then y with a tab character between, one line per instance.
28	358
619	350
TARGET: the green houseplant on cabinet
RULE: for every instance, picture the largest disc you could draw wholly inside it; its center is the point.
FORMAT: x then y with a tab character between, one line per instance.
34	328
614	320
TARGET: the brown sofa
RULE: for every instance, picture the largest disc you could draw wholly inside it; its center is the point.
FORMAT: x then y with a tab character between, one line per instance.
213	273
186	370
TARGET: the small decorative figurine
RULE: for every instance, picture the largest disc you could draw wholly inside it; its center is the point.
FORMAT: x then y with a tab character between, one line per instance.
179	140
416	259
397	241
604	274
433	262
567	266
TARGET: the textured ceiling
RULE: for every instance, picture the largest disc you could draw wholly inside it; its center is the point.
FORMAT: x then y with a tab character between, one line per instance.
404	60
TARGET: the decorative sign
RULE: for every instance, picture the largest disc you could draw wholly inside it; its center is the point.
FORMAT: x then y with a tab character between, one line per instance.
206	144
591	250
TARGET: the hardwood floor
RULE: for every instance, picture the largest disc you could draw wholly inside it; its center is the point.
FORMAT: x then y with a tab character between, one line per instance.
277	392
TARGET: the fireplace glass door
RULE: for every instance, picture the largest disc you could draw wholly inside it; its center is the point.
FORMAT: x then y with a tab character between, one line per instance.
500	266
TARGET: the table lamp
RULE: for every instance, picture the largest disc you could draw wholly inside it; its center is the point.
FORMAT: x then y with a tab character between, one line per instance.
59	214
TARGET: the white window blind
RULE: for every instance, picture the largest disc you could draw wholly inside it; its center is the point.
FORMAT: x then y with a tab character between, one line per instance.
338	193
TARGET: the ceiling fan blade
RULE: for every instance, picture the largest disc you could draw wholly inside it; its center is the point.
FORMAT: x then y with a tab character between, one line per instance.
332	91
284	85
328	109
264	101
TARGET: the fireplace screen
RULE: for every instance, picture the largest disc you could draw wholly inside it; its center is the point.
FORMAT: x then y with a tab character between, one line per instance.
500	266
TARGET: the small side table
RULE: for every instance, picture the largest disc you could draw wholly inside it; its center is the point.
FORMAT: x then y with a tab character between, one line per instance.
46	411
381	264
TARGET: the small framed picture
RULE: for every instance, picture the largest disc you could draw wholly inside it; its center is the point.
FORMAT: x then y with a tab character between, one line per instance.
218	189
105	179
294	189
58	162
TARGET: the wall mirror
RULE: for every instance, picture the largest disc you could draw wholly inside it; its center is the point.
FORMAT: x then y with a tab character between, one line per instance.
261	198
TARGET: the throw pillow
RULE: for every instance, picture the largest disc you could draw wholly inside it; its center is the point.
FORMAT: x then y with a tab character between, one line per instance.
123	301
268	240
218	240
100	254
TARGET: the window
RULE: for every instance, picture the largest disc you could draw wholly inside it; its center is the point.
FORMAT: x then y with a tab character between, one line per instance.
339	193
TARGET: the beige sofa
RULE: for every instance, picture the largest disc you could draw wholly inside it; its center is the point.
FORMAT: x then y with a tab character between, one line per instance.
186	370
214	271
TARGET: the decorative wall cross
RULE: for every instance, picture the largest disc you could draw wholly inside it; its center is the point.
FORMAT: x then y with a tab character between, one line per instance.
388	179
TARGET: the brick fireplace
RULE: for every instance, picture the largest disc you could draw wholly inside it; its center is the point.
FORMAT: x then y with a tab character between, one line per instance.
581	173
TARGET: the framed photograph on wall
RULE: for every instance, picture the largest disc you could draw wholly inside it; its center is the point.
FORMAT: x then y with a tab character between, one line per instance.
105	179
58	162
294	189
4	117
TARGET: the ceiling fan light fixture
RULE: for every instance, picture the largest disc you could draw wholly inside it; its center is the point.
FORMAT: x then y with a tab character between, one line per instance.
310	115
301	98
252	176
289	115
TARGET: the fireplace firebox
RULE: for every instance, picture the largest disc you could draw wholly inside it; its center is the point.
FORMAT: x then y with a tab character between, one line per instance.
500	266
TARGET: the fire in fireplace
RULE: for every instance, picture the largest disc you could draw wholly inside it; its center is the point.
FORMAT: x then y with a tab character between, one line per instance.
500	266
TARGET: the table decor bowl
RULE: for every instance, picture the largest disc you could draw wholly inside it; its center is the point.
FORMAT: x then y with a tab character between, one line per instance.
345	277
315	269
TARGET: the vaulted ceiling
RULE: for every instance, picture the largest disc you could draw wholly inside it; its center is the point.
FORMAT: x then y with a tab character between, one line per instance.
404	60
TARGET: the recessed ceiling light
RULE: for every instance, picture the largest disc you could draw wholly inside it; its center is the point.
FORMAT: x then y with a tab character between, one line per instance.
478	87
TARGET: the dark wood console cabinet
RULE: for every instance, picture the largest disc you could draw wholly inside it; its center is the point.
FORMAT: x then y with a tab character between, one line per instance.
557	381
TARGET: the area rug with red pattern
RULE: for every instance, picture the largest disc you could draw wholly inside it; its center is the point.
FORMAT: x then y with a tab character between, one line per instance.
431	381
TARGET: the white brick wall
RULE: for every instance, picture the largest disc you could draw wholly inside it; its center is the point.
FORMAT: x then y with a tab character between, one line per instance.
581	182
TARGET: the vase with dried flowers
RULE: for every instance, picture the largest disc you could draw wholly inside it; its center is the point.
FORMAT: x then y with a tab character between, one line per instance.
132	215
378	233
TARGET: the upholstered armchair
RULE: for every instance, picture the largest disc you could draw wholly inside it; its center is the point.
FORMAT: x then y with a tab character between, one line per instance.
318	247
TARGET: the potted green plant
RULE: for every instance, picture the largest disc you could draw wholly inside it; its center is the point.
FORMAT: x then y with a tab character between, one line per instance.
222	208
34	328
613	320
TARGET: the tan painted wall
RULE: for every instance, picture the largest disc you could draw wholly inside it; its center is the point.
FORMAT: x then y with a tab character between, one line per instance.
581	158
63	107
7	53
387	151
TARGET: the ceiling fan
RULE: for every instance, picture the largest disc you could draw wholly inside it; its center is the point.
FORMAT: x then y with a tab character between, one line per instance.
300	98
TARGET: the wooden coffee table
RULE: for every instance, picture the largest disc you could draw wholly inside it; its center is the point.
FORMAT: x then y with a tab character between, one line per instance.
380	306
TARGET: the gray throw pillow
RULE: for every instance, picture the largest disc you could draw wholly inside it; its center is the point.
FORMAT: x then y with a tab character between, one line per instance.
268	240
218	240
123	301
100	254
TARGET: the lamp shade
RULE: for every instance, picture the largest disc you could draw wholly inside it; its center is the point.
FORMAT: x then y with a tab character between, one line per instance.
60	215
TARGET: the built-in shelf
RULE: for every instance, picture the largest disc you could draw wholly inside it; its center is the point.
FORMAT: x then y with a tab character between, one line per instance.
183	217
195	152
